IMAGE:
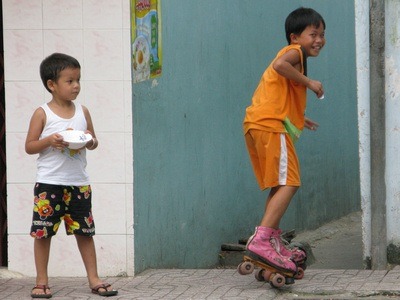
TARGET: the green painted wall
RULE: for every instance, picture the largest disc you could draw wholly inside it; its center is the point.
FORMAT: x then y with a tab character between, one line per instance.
193	184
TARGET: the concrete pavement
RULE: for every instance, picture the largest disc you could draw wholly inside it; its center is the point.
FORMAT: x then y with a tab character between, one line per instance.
337	273
220	284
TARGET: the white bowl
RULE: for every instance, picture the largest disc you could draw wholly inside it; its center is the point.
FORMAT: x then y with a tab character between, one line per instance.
76	138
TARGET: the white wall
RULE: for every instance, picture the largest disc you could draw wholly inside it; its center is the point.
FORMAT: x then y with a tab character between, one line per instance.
363	95
392	95
392	74
97	33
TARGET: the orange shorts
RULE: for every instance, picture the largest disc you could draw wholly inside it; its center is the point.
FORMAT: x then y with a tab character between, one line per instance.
274	158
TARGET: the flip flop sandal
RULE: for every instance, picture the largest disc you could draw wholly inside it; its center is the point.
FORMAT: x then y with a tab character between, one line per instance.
106	293
44	288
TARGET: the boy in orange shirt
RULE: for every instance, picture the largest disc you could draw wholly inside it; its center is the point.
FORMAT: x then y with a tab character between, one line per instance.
272	124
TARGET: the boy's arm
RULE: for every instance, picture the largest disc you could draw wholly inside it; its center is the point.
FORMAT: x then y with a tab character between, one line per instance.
289	66
32	143
310	124
90	129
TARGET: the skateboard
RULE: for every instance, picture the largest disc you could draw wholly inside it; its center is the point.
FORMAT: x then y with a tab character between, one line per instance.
275	277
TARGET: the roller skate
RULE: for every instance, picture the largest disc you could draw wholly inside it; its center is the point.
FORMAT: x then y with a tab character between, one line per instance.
276	269
297	254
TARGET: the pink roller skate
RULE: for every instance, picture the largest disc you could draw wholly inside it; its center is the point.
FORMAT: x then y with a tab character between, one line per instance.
298	255
276	269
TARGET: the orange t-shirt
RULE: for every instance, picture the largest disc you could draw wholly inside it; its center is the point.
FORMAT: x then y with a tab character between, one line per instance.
277	98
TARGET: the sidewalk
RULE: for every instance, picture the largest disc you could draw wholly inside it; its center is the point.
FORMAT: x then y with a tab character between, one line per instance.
221	284
337	273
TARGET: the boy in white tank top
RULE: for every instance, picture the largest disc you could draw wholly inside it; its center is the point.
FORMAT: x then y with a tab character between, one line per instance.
62	190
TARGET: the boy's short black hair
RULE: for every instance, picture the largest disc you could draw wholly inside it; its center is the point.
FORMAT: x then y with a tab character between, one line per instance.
52	65
299	19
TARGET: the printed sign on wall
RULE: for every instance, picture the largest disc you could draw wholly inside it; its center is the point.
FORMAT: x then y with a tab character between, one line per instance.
146	39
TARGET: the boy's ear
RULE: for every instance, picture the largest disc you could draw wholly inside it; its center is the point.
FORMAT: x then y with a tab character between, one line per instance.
50	84
293	38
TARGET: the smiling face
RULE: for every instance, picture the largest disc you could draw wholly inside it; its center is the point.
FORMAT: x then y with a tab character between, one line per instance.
67	86
312	39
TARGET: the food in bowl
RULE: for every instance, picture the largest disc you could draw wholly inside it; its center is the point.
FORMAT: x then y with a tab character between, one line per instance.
76	138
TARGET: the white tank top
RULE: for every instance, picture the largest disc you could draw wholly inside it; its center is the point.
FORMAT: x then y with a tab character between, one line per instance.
62	167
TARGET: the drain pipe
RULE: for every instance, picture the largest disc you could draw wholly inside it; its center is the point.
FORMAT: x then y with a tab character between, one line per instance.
378	140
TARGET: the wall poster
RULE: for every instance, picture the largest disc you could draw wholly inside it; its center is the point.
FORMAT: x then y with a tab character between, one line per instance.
146	39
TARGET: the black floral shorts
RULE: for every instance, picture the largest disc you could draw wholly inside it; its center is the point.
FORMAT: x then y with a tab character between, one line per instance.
55	203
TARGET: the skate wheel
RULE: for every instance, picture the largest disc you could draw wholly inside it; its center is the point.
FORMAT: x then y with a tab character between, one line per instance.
299	274
278	281
259	275
245	268
267	275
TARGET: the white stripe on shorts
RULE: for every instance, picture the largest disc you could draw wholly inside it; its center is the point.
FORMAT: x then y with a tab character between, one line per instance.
283	161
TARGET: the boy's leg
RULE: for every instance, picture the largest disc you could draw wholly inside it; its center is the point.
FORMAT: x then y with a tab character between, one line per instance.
88	252
41	249
276	205
269	156
272	217
264	244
